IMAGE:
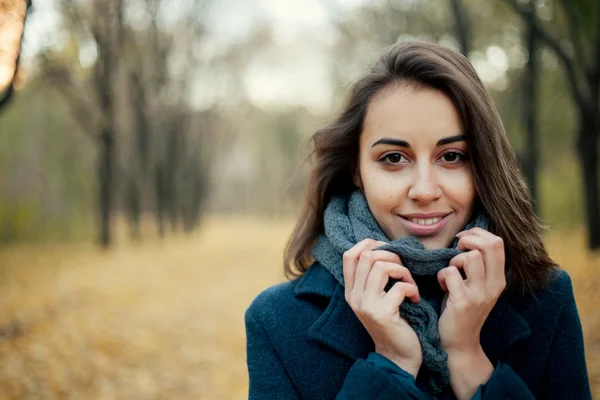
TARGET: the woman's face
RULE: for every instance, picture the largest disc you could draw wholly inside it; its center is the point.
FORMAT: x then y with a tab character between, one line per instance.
413	165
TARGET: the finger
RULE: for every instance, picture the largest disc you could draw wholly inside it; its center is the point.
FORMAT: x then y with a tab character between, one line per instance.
442	279
474	231
492	250
472	241
403	274
350	260
459	262
474	267
365	264
394	298
380	274
452	282
479	239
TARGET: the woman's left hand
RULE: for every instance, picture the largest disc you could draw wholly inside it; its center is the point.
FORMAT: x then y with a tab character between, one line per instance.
469	301
467	304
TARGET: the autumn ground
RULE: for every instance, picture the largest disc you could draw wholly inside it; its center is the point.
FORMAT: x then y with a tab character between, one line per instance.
165	319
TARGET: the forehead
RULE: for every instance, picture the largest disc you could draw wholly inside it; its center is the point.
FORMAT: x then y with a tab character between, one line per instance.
414	114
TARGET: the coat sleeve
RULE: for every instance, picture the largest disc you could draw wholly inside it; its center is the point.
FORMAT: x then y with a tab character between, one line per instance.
269	379
369	380
504	384
565	375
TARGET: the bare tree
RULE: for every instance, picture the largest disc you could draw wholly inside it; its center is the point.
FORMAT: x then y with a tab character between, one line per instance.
582	69
158	98
138	86
93	101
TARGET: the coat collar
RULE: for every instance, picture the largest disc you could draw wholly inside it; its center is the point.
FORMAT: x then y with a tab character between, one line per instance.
339	329
316	281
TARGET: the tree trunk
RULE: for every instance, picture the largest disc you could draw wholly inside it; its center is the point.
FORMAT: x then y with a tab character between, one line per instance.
173	161
134	208
159	188
140	158
530	164
588	151
105	174
589	120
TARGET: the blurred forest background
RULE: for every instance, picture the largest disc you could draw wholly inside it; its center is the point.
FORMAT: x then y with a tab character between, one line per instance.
152	152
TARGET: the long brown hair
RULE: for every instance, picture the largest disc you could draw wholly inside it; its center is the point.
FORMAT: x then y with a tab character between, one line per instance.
502	193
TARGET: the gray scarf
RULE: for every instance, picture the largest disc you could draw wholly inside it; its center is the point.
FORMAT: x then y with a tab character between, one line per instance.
348	220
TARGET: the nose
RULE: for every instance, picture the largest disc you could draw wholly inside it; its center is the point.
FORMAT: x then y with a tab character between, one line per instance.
425	187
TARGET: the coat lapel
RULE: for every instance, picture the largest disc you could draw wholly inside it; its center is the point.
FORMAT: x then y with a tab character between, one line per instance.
504	327
340	330
337	328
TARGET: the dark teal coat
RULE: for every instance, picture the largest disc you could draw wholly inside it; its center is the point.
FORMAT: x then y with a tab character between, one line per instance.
304	342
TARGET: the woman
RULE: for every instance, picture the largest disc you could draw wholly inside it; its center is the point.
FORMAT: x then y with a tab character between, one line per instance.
419	262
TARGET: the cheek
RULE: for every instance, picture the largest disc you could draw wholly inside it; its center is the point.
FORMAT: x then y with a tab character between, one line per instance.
461	188
384	190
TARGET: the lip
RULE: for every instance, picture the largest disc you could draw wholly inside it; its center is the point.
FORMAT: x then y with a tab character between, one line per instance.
424	230
425	215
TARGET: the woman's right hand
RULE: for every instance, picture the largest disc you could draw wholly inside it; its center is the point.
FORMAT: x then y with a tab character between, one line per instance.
366	273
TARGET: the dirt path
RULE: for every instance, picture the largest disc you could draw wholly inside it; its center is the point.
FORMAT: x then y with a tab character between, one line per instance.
163	320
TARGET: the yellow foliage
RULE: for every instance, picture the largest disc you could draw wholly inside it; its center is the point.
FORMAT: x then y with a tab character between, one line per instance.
165	319
18	220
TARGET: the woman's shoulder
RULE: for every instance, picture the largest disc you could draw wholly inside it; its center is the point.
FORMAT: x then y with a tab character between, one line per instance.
555	287
272	298
303	297
548	303
559	287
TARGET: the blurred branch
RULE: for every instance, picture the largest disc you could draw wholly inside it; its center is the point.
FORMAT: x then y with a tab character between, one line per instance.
553	43
75	95
99	28
573	23
77	21
190	21
152	64
463	28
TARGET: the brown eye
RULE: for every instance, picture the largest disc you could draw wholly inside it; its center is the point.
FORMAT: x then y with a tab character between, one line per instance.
453	157
394	158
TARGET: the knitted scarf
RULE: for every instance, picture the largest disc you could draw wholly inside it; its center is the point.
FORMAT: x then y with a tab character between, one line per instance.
348	220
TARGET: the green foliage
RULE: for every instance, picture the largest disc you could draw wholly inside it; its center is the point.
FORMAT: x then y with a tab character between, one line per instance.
46	174
561	193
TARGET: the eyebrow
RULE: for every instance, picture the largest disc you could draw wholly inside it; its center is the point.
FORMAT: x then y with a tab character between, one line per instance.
404	143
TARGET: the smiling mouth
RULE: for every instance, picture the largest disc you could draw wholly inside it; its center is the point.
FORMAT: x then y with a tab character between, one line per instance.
425	221
425	226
